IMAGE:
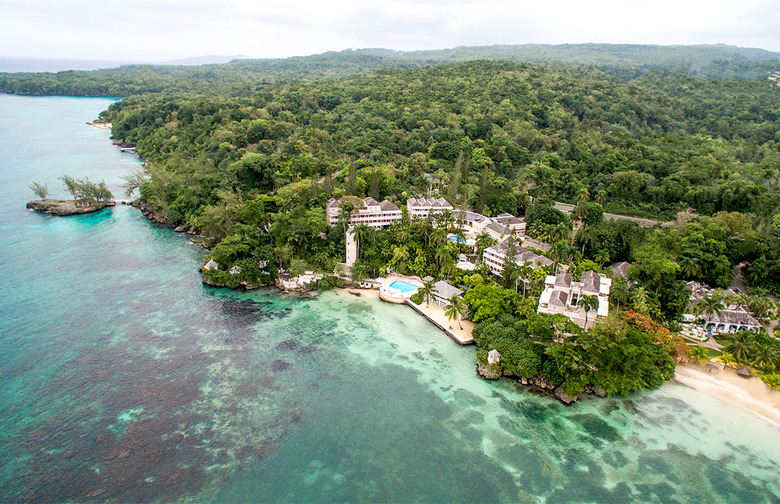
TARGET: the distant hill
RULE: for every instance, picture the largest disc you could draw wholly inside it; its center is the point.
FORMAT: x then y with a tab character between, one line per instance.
204	60
237	77
12	65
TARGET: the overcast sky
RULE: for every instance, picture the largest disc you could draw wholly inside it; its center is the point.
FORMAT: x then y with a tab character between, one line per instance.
159	30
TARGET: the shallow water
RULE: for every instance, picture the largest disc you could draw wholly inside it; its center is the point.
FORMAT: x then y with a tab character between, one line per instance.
123	378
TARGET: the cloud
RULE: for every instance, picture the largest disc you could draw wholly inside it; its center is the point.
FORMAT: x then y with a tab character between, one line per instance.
168	29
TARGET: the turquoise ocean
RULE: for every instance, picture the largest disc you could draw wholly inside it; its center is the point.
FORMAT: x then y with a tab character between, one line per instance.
124	379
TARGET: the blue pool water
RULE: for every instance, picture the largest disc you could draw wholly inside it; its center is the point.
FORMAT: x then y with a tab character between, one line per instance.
404	287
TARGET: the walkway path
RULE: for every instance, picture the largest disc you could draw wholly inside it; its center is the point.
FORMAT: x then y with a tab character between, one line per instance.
436	315
567	207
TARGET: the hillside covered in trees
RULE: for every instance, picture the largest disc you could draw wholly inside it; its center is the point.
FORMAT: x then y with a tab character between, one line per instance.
493	136
246	76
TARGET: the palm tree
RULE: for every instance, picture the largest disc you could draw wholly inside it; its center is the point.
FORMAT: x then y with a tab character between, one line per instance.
361	233
587	235
560	252
525	271
560	231
588	303
439	236
699	353
583	195
601	197
455	309
689	266
483	241
727	359
764	356
602	257
761	306
711	306
740	345
400	256
427	290
345	214
620	291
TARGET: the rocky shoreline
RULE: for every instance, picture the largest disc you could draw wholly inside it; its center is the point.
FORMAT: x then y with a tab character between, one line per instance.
536	383
64	208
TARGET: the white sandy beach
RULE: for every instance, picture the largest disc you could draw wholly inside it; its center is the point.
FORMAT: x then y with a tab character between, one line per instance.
750	394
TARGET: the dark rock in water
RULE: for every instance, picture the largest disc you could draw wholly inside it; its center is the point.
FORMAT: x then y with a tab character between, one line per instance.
308	349
63	208
564	397
181	229
279	365
290	344
487	372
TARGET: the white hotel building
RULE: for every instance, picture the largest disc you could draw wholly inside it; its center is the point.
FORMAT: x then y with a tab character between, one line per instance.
373	213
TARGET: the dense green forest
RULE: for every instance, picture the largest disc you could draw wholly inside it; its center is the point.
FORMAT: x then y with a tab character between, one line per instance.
249	160
499	134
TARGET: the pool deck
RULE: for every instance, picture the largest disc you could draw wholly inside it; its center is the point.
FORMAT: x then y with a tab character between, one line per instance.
435	314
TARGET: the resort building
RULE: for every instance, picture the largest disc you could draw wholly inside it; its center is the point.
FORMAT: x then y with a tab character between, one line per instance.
732	318
510	221
420	208
472	221
561	295
373	213
444	291
495	256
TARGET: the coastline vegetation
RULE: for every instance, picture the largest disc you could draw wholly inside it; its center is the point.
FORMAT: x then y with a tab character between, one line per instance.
251	164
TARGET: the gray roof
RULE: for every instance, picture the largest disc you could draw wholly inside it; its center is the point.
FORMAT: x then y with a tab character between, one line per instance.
508	219
445	291
428	202
212	264
387	206
530	242
499	228
620	269
563	280
558	298
591	282
369	201
468	216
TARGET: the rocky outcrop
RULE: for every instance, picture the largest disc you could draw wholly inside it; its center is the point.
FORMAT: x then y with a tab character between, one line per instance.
487	371
56	207
150	213
563	396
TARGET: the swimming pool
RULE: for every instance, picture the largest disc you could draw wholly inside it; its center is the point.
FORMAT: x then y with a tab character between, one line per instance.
404	287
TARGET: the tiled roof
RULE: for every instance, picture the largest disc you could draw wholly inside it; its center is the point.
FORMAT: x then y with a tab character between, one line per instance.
563	280
387	206
620	269
559	298
591	281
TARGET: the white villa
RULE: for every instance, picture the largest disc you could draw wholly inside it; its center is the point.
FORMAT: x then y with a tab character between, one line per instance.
495	255
561	294
732	318
420	208
444	291
373	213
